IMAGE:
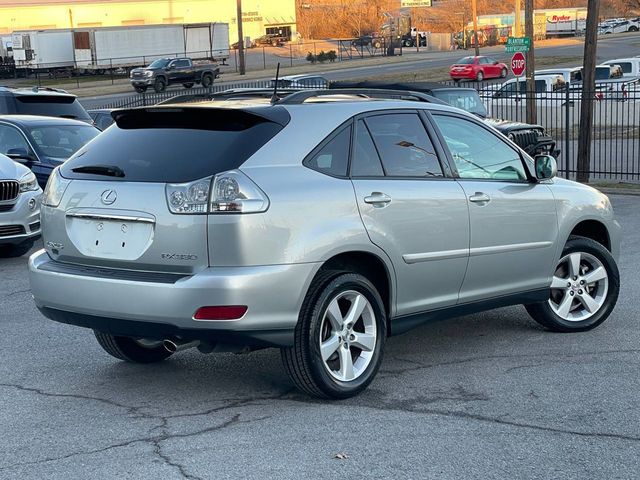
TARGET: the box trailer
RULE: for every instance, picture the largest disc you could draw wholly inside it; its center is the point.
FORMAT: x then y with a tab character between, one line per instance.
43	49
565	21
103	48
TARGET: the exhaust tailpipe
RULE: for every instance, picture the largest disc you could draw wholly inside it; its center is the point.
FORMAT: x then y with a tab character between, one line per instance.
174	345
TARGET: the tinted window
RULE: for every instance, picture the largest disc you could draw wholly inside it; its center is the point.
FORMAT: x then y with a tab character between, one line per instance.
483	60
61	141
11	138
174	145
365	161
626	67
51	106
465	61
333	158
103	121
603	73
479	153
160	63
404	146
467	100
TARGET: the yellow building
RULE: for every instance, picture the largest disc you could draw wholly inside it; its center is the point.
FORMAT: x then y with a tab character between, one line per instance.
259	16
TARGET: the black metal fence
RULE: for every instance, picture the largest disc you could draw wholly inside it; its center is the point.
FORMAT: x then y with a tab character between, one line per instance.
615	148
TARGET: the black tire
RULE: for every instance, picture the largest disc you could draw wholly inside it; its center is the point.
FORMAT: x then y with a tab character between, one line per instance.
12	251
129	350
503	73
408	43
633	29
544	314
187	85
479	76
207	80
303	361
160	85
140	89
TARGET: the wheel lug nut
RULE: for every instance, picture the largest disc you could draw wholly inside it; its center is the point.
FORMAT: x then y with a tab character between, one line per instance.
569	284
352	337
571	293
580	292
581	282
345	346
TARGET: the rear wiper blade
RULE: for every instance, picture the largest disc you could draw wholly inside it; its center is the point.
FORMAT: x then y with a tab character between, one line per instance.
106	170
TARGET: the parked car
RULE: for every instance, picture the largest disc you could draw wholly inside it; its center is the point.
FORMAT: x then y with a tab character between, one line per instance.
478	69
621	27
269	39
19	208
169	71
301	81
545	84
49	102
531	138
42	143
367	41
102	118
630	66
393	213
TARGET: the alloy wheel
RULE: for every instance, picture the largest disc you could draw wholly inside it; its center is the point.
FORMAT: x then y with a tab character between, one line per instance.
579	287
348	335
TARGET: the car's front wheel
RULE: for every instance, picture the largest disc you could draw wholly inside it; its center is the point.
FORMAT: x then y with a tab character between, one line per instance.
480	76
503	73
340	337
584	288
160	85
131	349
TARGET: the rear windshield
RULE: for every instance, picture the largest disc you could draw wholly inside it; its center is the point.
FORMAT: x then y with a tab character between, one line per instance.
51	106
465	61
174	145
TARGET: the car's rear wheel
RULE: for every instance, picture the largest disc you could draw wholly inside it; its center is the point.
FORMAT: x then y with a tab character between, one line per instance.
160	85
479	76
15	250
340	337
584	288
131	349
503	73
141	89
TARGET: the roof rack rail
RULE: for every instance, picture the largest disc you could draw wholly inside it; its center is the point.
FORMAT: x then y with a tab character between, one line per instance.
230	94
383	94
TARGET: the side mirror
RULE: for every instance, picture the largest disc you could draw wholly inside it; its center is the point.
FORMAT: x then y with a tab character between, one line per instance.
20	155
546	167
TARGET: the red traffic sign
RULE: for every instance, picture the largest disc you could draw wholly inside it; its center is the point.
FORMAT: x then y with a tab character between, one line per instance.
518	64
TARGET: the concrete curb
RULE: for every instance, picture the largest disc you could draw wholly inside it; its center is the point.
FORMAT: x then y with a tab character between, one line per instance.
618	191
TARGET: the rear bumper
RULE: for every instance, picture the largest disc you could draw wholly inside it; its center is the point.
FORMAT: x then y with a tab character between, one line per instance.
150	309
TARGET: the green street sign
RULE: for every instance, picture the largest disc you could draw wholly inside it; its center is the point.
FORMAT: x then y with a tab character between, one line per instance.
516	48
518	44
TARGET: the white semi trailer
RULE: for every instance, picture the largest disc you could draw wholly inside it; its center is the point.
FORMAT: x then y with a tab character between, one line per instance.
106	48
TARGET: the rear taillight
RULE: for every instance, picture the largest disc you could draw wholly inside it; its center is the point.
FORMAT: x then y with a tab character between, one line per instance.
224	312
56	186
228	192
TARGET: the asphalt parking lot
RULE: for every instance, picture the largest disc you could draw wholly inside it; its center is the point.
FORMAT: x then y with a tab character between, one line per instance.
484	396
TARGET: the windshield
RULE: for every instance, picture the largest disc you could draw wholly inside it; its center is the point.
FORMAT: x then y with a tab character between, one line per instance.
465	61
160	63
464	99
61	141
51	106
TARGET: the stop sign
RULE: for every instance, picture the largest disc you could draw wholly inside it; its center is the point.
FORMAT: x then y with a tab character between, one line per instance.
518	64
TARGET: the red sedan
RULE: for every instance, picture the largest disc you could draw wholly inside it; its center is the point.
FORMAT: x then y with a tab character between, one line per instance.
477	68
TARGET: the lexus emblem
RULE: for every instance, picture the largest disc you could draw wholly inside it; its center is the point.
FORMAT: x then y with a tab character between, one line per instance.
108	197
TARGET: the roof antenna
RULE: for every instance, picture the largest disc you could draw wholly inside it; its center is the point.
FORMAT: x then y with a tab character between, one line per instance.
274	97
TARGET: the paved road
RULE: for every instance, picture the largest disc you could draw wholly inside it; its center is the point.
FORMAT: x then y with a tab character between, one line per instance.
608	48
489	396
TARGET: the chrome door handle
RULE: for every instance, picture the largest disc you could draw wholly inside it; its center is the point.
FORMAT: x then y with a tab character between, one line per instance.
479	197
377	199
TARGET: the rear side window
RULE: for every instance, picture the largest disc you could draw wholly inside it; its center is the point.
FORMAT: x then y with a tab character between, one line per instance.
626	67
333	157
174	145
404	145
365	161
51	106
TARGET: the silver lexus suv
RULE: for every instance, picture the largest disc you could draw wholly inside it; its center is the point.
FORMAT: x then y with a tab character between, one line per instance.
320	224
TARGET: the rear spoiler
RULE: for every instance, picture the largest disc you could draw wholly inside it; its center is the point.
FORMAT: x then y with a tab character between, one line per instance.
199	116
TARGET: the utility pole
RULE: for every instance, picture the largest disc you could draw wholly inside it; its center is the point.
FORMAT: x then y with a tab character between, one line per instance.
241	66
517	26
474	7
588	91
532	116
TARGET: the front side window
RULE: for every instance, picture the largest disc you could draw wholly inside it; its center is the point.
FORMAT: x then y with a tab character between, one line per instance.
404	145
333	157
12	139
479	153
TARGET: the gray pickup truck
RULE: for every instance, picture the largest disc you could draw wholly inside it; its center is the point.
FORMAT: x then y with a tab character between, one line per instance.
167	71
